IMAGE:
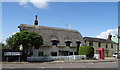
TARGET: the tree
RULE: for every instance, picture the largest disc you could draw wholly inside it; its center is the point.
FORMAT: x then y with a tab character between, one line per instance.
86	50
9	42
3	46
27	40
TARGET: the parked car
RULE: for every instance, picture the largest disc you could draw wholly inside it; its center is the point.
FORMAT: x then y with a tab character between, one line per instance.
116	55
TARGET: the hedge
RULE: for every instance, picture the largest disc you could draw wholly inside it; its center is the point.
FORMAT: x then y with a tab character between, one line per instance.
86	50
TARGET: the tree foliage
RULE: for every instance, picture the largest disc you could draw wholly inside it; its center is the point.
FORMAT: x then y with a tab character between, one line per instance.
86	50
3	46
9	42
27	39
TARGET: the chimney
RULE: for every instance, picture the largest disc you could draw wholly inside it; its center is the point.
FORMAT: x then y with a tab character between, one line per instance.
36	21
109	36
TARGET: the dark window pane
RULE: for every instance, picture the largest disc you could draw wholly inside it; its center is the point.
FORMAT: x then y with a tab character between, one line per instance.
54	53
68	43
55	42
71	53
90	43
41	53
106	46
99	44
112	46
75	53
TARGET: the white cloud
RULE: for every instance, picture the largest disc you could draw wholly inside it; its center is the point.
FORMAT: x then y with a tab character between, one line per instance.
23	2
105	34
37	3
69	0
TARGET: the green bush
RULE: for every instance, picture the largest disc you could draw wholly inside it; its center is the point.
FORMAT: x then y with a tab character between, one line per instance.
86	50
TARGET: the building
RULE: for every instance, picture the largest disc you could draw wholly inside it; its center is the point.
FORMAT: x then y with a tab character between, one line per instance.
109	46
115	39
56	41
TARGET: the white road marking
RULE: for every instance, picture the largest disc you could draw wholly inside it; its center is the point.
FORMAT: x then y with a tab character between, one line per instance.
42	67
61	67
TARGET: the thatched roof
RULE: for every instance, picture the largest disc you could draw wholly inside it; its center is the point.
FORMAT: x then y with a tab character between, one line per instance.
98	40
52	33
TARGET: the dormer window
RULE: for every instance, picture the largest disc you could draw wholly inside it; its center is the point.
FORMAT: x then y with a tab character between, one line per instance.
78	43
55	42
68	43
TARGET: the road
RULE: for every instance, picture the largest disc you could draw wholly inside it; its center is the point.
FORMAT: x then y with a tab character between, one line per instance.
62	65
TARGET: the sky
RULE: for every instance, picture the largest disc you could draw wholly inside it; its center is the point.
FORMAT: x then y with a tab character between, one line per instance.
91	19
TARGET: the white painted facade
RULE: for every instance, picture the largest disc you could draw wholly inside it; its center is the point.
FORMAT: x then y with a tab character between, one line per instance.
47	50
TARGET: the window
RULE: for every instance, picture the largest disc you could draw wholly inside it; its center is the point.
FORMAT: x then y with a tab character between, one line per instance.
106	46
71	53
112	46
78	43
99	44
90	43
54	53
75	53
41	53
68	43
55	42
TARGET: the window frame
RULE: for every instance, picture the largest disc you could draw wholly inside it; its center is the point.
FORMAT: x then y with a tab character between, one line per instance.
99	44
106	46
91	43
41	52
55	42
53	53
111	46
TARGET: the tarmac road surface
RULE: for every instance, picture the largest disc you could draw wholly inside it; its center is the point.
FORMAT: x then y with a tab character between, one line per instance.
63	65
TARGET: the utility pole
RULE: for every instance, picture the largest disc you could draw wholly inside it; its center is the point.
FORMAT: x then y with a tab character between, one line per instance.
118	38
118	27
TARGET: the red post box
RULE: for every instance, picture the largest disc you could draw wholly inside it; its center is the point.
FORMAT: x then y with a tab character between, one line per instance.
101	53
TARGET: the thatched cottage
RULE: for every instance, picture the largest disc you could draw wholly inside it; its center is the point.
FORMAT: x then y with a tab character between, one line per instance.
56	41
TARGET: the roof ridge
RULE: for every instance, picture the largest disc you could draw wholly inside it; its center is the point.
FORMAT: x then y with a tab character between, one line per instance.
100	39
48	27
95	37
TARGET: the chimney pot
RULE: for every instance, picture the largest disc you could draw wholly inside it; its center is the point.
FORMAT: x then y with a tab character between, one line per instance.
36	21
109	36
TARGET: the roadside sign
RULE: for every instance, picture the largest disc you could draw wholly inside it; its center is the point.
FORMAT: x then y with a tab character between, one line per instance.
12	53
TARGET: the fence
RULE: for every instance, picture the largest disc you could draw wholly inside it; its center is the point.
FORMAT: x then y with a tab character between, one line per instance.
51	58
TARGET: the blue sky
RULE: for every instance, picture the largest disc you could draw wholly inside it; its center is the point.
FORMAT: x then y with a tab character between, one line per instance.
89	18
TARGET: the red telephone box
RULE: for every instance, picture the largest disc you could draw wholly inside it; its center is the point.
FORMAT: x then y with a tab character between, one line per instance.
101	52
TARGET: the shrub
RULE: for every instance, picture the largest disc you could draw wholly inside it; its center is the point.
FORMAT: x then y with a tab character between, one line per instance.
86	50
